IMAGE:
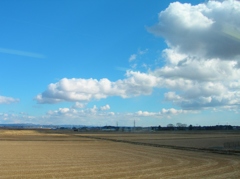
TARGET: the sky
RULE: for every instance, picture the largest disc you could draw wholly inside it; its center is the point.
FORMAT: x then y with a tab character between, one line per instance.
104	62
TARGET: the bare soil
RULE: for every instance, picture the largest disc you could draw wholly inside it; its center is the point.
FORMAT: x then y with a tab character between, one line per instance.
66	154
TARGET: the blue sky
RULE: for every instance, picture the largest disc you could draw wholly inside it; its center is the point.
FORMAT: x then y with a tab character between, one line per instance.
104	62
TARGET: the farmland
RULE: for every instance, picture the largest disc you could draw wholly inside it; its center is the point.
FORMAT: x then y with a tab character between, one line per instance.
67	154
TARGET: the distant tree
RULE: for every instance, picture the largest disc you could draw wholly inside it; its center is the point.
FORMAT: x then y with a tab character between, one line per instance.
170	127
190	127
179	124
184	125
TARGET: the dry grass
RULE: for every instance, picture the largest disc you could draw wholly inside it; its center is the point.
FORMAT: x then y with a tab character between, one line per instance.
50	154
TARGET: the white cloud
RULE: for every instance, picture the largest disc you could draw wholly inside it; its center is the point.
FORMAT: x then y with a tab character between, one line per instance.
189	67
82	90
92	110
200	83
83	116
209	30
7	100
173	111
88	116
16	118
173	57
75	113
230	100
164	112
100	116
146	113
78	105
202	59
104	108
132	57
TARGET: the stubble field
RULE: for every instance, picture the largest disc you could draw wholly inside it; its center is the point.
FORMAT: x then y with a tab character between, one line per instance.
65	154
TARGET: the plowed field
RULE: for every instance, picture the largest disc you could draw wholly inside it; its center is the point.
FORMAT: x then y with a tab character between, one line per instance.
54	154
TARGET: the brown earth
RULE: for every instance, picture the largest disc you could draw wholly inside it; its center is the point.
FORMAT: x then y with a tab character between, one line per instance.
57	154
194	139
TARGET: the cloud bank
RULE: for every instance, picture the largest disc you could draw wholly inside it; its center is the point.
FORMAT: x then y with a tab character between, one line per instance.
103	115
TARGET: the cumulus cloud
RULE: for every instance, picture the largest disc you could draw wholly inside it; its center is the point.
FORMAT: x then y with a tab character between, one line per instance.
172	111
69	112
201	84
7	100
201	70
83	90
104	108
164	112
209	30
146	113
78	105
75	114
16	117
203	54
224	100
100	114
